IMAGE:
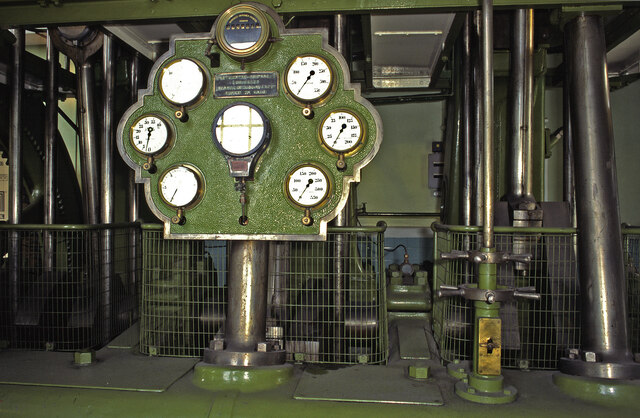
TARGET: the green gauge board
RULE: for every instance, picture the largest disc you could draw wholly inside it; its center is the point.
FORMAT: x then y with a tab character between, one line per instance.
250	131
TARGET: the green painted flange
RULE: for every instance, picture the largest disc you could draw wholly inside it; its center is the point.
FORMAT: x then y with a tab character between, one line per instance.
471	389
459	369
244	379
607	392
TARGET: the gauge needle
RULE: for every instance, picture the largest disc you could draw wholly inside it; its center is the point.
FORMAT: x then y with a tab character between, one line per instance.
305	81
344	125
173	195
149	130
305	189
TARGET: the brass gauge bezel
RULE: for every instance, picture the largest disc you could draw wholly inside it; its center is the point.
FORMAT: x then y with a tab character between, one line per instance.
168	143
199	193
359	143
203	89
317	100
327	196
255	51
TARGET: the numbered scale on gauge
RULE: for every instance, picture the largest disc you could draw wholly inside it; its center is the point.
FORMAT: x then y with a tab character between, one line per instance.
341	131
308	186
182	82
150	135
181	187
309	78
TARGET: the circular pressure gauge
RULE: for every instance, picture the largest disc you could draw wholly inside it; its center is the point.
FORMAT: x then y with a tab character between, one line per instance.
240	129
341	131
181	186
308	186
150	135
309	78
243	32
182	82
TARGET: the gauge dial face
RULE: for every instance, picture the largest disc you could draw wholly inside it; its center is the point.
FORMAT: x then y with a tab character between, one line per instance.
308	186
240	129
309	78
180	186
242	31
150	135
182	82
341	131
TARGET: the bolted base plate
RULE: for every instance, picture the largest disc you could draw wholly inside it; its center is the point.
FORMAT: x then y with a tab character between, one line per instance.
244	359
459	369
507	395
602	370
608	392
244	379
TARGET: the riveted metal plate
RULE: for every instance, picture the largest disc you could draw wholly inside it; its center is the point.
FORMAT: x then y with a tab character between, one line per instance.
489	346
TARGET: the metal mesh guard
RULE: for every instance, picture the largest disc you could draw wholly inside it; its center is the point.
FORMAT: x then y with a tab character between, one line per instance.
57	290
184	297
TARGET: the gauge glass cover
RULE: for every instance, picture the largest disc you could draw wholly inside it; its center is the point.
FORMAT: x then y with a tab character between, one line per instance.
180	186
341	131
240	129
243	31
309	78
182	81
308	186
149	135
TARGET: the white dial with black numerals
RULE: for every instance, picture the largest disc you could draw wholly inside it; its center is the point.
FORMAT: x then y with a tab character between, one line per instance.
341	131
150	134
308	186
309	78
180	186
182	82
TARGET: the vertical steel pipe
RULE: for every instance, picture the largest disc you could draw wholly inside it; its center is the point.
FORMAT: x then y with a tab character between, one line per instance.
88	143
106	168
568	194
51	130
467	124
247	294
516	102
488	156
133	195
527	118
15	162
602	276
478	134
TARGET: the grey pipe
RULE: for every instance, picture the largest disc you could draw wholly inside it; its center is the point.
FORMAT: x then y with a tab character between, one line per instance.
527	139
478	134
133	187
467	123
602	276
51	130
88	143
517	123
487	88
106	208
247	295
568	193
15	162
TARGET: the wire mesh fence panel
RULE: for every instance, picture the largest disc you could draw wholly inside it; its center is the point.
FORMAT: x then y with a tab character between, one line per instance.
54	293
327	300
184	294
535	334
632	268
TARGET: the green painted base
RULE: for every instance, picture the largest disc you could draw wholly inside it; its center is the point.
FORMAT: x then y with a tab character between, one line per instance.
607	392
459	369
244	379
469	393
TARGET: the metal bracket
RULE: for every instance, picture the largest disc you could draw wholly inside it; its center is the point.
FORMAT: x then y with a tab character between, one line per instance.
479	257
470	292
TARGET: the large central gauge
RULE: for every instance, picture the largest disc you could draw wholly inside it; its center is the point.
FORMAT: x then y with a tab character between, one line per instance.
182	82
309	78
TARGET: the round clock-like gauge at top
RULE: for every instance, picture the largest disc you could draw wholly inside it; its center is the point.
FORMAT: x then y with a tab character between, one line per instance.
180	186
242	31
240	129
182	82
309	78
308	186
341	131
150	134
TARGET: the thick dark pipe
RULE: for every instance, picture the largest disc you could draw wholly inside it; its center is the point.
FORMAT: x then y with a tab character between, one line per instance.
133	187
88	143
106	168
15	161
488	154
478	133
51	130
467	124
602	276
247	308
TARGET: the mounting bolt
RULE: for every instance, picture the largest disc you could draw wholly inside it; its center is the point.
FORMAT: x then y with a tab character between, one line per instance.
574	353
471	390
262	347
217	345
84	358
490	297
419	372
590	357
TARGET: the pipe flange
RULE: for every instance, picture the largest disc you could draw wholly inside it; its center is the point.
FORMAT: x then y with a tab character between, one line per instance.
472	292
482	257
